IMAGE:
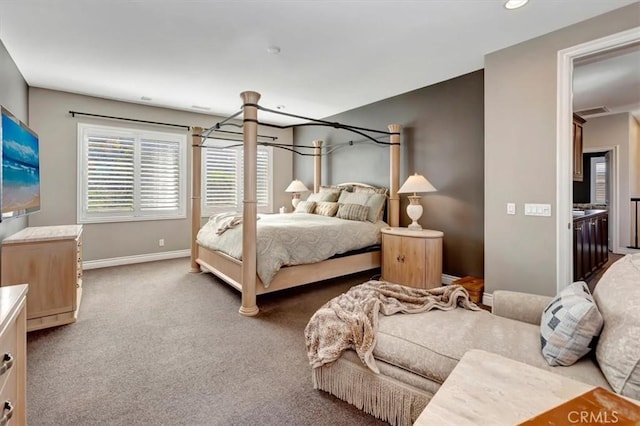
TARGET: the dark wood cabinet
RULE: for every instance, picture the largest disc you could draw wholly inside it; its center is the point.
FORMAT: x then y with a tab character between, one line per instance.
590	244
577	148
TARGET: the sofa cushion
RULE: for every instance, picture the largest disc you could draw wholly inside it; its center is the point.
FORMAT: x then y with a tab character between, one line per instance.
570	325
617	295
430	344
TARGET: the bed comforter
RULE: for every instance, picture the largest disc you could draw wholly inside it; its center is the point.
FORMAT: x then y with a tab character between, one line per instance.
292	239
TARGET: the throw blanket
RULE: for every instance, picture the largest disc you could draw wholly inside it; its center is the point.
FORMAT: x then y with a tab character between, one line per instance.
226	221
350	321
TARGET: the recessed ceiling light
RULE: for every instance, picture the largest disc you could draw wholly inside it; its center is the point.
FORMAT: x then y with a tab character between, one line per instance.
204	108
145	98
274	50
514	4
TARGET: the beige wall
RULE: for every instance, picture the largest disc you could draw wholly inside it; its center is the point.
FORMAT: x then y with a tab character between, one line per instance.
14	97
608	131
520	152
49	112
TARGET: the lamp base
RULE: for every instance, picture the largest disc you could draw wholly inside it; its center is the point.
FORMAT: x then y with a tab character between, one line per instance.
414	211
415	226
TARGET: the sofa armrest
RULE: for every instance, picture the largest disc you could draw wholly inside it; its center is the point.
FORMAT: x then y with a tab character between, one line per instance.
523	307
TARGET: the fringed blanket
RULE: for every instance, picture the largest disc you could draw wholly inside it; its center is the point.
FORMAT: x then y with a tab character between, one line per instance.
350	321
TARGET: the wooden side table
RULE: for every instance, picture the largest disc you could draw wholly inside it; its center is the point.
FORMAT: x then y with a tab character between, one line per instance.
412	257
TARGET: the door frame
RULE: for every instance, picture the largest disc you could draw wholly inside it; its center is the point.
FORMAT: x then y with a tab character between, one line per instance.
564	144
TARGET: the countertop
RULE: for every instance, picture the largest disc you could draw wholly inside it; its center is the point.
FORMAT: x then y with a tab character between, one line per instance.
581	214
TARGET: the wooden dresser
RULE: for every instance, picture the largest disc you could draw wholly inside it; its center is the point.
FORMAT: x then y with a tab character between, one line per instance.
412	257
49	259
13	350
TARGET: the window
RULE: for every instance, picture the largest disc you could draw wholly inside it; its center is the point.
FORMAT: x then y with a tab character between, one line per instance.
128	174
598	180
222	177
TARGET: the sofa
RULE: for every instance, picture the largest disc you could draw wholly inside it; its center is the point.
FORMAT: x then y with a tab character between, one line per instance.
415	353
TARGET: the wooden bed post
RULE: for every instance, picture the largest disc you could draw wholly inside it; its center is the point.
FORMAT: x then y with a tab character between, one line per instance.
317	165
249	210
196	190
394	199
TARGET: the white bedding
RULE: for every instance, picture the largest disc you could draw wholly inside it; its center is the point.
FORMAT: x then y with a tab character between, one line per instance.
293	239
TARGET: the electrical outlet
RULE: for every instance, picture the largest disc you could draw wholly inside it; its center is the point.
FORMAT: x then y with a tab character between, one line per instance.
161	242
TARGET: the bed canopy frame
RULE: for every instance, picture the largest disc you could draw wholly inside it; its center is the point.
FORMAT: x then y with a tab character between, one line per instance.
242	274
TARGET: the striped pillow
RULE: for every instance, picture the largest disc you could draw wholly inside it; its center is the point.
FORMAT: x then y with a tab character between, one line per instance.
353	212
326	208
305	207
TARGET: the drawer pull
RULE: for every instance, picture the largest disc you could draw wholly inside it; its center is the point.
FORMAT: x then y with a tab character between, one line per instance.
400	258
7	413
7	363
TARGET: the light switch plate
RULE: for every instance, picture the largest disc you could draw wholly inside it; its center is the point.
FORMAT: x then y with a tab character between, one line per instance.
537	210
511	208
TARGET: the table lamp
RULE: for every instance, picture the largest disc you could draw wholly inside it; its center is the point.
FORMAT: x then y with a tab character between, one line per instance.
415	184
296	187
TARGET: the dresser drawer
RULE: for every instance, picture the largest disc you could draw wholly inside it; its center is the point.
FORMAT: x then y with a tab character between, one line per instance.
8	348
9	399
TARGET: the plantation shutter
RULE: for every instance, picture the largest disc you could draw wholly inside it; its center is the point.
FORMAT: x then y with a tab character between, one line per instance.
262	176
221	179
601	182
159	176
110	174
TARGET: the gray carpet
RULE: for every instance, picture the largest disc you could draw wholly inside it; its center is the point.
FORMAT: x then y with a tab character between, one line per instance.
156	345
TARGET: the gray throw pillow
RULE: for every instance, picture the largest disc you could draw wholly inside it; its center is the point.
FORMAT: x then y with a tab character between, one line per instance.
570	325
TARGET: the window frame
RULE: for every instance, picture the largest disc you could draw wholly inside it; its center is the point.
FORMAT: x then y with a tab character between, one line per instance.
207	211
85	130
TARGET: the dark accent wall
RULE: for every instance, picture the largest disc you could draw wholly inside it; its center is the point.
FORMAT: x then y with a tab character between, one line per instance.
14	95
582	190
442	138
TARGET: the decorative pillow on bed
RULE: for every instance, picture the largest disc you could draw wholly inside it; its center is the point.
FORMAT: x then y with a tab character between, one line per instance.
323	196
331	188
326	208
373	200
353	212
354	198
376	205
570	325
305	207
373	190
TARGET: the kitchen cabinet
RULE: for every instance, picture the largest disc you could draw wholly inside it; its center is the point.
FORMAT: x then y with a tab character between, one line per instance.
578	174
590	243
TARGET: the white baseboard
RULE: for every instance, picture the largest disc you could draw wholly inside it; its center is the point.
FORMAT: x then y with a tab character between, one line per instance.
487	299
448	279
139	258
626	250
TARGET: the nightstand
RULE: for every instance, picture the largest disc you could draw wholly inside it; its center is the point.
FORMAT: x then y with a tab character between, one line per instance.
412	257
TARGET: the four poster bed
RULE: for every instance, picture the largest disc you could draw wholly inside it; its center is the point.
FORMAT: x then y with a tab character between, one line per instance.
243	274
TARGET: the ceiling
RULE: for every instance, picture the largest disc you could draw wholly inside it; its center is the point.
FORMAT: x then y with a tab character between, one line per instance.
610	79
334	55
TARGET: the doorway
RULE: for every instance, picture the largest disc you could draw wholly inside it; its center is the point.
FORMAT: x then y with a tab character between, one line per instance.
564	175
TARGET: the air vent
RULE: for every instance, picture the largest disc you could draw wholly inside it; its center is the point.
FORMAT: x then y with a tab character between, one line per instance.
592	111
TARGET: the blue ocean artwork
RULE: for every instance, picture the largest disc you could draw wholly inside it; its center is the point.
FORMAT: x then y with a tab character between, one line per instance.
20	167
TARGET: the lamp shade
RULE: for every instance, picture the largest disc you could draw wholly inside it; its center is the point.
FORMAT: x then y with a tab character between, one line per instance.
416	183
296	186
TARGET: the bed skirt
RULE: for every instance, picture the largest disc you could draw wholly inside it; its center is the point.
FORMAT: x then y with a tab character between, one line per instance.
381	396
